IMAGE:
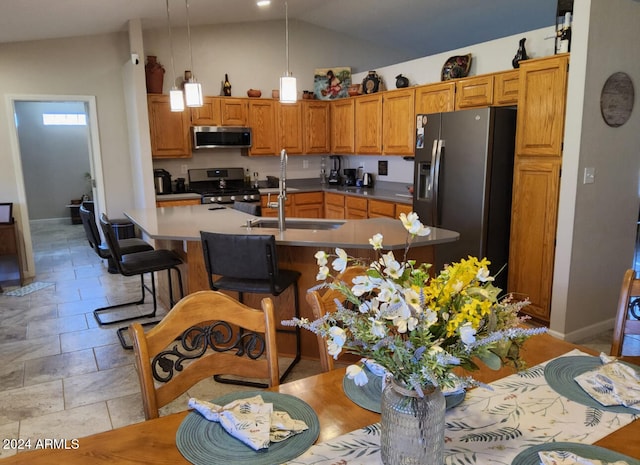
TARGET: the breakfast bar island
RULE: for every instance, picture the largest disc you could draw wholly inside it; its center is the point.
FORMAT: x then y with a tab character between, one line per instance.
178	229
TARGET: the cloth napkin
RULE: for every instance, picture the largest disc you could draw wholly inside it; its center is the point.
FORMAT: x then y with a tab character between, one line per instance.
613	383
569	458
251	420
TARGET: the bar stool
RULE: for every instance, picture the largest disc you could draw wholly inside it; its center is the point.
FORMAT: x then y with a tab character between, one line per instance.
138	263
249	264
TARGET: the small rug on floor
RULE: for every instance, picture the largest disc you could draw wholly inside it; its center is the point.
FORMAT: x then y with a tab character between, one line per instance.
28	289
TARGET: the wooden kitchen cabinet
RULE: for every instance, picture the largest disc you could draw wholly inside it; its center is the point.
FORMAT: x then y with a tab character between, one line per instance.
262	121
536	186
316	126
541	106
398	122
474	92
169	130
234	111
343	126
435	98
355	208
309	205
405	208
505	87
10	253
381	209
209	114
368	124
334	206
273	212
290	127
177	202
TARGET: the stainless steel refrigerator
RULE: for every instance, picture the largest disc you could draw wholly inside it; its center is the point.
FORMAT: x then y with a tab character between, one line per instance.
463	180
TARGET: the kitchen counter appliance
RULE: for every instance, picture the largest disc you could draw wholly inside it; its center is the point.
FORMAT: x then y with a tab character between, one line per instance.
463	176
334	173
162	181
222	185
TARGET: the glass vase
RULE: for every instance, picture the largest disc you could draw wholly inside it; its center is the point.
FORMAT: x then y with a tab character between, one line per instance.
412	427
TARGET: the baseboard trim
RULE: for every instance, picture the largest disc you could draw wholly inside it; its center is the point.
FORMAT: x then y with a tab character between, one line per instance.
586	332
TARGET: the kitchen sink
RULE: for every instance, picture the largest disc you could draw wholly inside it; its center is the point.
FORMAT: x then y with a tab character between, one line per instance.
272	223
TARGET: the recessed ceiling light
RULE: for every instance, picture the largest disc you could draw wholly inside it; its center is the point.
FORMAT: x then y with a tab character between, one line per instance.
263	2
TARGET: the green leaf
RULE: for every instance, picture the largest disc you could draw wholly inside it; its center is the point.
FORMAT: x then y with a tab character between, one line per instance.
491	360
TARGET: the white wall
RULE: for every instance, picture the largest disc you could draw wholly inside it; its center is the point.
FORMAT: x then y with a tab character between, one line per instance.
597	222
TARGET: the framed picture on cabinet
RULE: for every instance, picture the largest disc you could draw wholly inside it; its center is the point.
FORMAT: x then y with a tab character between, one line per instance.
331	83
6	213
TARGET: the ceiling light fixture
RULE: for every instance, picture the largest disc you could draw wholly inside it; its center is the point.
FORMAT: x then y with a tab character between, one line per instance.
288	90
176	98
262	3
192	89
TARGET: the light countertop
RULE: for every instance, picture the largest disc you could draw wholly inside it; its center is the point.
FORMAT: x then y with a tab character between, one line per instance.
186	222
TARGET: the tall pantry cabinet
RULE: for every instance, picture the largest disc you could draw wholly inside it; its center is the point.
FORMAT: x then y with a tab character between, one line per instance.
536	180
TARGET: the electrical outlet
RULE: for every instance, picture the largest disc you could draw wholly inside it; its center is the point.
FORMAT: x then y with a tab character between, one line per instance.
183	169
305	163
589	175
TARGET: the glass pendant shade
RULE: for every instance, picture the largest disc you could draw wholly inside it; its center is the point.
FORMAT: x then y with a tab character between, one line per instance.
288	89
193	93
176	100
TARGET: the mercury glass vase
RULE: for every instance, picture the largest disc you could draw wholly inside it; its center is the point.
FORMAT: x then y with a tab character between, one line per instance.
412	427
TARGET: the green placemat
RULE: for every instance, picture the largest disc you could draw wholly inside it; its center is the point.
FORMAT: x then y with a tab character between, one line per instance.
559	374
205	442
369	396
529	456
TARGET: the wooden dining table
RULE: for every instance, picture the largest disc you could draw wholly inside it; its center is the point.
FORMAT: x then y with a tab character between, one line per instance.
154	441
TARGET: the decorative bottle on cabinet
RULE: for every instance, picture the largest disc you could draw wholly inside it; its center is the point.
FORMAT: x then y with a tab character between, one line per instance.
564	15
226	86
154	74
565	35
521	54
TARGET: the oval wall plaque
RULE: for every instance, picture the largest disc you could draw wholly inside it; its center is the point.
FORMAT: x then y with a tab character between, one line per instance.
616	99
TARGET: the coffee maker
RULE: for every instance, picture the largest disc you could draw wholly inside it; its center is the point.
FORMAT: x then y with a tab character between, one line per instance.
349	177
334	173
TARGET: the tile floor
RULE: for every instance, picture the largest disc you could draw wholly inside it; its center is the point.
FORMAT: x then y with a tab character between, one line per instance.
62	376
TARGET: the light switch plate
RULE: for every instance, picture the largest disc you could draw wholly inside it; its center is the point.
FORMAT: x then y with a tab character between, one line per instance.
589	175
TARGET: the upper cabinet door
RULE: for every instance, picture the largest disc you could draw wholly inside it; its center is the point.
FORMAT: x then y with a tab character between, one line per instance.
316	124
209	114
342	126
290	120
234	111
169	129
262	121
541	106
435	98
505	87
398	122
368	124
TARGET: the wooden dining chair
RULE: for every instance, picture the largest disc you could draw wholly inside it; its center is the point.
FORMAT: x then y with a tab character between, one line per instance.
325	302
627	324
201	337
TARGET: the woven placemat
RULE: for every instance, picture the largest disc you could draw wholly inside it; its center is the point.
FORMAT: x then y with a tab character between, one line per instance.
529	456
205	442
560	373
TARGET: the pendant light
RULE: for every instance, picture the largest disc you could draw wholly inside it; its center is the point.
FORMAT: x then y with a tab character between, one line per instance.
192	89
288	90
176	98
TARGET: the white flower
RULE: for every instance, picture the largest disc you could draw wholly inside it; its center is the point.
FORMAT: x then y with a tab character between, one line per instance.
378	328
340	263
404	324
412	223
357	374
321	258
323	272
431	317
412	298
467	334
483	275
362	284
392	267
457	286
333	349
338	335
376	241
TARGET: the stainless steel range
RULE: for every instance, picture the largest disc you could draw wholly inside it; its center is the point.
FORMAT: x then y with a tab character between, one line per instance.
222	185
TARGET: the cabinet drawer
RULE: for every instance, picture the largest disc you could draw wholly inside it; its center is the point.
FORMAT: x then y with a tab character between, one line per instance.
334	199
474	92
356	203
381	208
304	198
505	90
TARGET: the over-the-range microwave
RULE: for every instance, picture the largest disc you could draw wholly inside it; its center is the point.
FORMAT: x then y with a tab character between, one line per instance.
208	137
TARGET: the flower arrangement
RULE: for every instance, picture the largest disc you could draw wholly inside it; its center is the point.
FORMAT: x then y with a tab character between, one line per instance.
418	327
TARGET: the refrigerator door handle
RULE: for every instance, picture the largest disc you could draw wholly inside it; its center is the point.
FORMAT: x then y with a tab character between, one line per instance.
436	165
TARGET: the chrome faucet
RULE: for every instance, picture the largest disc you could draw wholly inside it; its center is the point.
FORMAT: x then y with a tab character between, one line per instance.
282	192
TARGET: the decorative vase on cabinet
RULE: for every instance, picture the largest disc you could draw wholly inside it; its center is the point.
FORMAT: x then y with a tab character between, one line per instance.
412	427
154	74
